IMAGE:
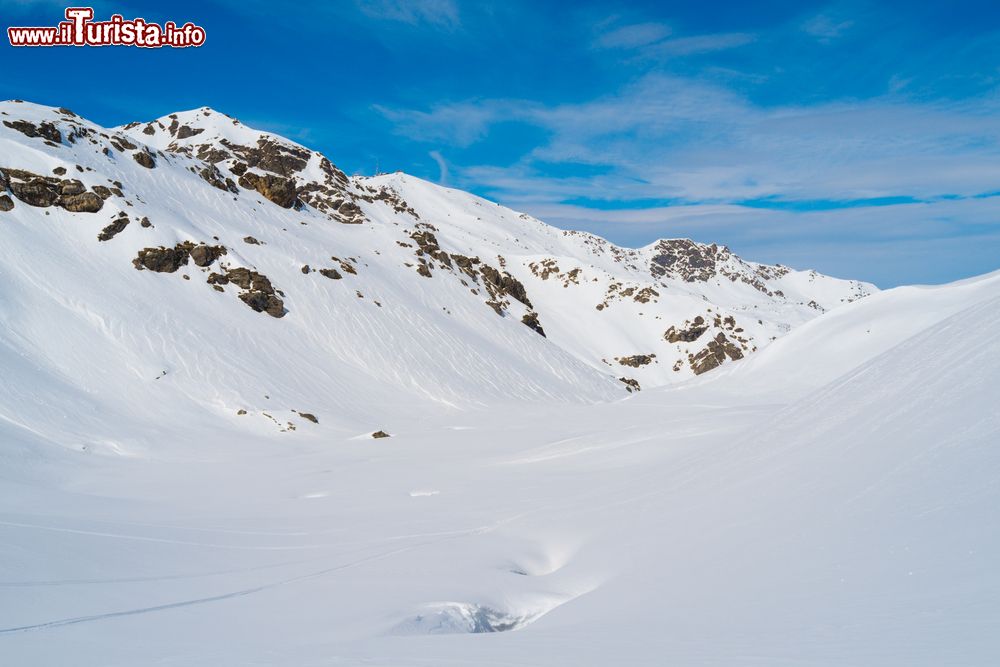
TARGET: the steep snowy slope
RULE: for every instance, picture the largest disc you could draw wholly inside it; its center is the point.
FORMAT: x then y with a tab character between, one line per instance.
146	293
830	346
656	315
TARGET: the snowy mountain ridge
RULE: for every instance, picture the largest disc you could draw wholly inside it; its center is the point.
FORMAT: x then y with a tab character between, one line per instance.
380	286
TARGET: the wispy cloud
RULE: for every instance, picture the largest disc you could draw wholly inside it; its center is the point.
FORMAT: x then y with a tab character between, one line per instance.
695	141
828	26
442	167
655	41
686	46
459	124
436	13
722	161
632	36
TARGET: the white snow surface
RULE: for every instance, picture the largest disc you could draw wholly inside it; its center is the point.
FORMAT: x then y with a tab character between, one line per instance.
829	500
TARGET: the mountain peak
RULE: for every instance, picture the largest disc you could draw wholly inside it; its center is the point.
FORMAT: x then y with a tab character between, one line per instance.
374	281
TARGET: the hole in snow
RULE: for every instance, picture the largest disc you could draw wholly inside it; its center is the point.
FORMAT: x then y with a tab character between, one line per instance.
445	618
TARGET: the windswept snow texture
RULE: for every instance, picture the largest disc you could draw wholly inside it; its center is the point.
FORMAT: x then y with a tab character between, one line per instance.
188	473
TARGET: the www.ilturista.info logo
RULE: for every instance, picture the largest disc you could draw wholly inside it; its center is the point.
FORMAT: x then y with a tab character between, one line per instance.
79	29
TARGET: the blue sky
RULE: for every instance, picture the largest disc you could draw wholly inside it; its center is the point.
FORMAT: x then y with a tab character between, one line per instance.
860	139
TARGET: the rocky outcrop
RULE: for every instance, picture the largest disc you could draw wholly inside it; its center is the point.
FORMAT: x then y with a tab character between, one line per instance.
714	354
44	130
685	259
630	384
168	260
531	321
504	284
427	244
43	191
258	293
264	303
161	260
211	175
276	189
84	202
636	360
145	159
6	203
380	434
278	158
205	255
118	224
690	332
185	132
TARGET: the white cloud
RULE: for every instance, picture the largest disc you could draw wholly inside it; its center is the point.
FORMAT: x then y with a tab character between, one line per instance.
437	13
687	46
695	143
666	137
632	36
827	26
442	167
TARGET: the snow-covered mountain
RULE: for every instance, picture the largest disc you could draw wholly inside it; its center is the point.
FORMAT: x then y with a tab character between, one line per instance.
203	326
167	245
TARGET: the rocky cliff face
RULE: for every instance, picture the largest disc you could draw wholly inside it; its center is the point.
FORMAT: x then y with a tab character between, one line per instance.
285	233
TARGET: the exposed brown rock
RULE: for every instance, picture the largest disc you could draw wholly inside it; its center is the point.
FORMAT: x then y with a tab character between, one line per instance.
630	384
714	354
531	321
685	259
308	415
345	266
44	130
636	360
380	434
505	284
250	280
264	303
44	191
276	189
205	255
161	260
145	159
332	274
6	203
116	226
689	334
272	156
85	202
183	132
211	175
35	190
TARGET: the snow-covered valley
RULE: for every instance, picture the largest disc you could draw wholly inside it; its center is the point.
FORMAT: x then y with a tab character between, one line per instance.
808	476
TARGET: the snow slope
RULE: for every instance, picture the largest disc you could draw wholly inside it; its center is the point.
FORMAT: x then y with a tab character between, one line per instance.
826	348
855	526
